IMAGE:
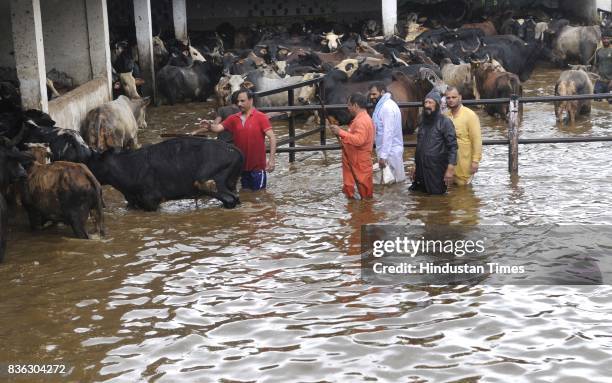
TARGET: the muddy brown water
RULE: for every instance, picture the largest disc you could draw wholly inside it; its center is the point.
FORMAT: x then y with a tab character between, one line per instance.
271	291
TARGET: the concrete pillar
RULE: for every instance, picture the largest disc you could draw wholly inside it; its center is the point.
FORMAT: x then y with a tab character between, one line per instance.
389	16
142	18
29	53
99	45
179	15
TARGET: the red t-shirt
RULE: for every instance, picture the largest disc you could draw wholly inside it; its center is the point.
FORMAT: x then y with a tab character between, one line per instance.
250	138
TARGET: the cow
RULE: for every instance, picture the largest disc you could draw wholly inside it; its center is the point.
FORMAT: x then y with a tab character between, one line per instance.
307	94
331	41
196	82
570	83
115	124
515	55
263	83
184	167
540	31
458	76
403	88
65	144
487	27
490	83
61	191
228	85
160	53
370	29
577	43
126	70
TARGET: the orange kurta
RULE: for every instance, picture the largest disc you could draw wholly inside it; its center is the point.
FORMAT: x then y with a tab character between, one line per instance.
357	145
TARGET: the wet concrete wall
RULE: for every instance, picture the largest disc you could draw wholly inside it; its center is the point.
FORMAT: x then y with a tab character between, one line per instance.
66	39
6	40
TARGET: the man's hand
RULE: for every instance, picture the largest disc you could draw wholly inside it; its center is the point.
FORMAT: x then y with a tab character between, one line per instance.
448	176
474	167
382	163
205	125
270	165
335	129
413	173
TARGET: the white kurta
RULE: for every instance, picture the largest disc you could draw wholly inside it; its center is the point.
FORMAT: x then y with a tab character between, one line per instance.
389	139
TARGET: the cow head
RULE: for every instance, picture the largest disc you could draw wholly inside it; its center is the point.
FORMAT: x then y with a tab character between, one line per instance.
308	93
40	151
223	90
128	83
566	88
280	67
160	53
331	40
196	55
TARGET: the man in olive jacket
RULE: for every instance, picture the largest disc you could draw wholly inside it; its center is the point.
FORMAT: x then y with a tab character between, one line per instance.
436	151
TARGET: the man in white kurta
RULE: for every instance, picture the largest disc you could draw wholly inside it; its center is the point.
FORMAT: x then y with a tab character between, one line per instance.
389	140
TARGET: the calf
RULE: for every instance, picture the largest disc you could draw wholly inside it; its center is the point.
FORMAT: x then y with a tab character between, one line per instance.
184	167
61	192
115	124
570	83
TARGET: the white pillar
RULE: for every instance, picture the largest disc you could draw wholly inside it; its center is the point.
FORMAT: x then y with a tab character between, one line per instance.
99	45
29	53
389	16
142	18
179	15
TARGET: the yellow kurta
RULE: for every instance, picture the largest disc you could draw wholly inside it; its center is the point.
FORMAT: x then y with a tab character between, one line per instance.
469	140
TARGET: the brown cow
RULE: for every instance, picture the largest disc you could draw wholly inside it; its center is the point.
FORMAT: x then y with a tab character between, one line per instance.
61	192
115	124
403	88
486	26
491	83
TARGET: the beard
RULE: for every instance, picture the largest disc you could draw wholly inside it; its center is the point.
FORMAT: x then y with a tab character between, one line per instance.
429	114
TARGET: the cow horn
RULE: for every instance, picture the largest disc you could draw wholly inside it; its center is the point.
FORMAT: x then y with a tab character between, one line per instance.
399	60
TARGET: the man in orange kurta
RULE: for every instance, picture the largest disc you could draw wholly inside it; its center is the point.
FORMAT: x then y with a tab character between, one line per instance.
357	144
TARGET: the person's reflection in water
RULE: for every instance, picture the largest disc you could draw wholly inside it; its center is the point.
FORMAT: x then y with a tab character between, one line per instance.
459	206
361	213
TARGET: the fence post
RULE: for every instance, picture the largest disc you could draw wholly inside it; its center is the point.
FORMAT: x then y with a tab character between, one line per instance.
291	125
323	138
513	133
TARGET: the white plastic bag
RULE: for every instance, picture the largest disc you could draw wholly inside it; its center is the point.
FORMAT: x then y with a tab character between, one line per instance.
384	176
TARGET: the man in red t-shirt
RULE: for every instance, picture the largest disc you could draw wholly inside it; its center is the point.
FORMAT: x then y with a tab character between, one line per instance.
249	128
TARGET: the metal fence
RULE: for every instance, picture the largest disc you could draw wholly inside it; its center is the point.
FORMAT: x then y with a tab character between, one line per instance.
513	122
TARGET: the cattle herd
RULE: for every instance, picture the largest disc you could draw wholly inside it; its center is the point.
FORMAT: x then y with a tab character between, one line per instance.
57	173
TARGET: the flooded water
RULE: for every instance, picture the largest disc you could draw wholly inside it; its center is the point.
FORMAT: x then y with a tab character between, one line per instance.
271	291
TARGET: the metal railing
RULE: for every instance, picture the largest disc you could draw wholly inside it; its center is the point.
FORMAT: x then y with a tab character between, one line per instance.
513	122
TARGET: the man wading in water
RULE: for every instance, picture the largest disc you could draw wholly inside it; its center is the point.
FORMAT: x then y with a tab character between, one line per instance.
357	144
436	151
249	127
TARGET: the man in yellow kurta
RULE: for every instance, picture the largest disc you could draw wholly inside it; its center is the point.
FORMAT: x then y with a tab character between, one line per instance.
469	139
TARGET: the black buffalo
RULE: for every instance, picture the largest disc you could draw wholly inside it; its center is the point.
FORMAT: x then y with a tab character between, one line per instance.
185	167
196	82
